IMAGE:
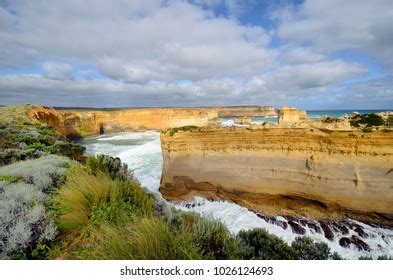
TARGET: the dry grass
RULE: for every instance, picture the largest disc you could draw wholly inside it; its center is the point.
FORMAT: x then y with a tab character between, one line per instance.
81	194
147	238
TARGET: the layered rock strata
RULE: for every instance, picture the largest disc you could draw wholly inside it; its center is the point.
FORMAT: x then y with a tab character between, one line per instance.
315	173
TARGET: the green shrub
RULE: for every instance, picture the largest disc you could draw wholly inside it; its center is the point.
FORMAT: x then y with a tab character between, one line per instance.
9	178
37	146
330	120
365	258
214	239
368	119
40	251
173	131
336	256
307	249
354	123
71	150
259	244
389	121
384	257
11	155
109	165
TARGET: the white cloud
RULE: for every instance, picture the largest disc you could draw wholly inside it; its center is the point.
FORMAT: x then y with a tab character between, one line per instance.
173	53
128	40
361	25
313	75
275	87
59	71
298	55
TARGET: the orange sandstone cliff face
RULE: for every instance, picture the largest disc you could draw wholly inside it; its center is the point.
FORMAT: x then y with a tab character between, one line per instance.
67	123
85	122
80	123
284	171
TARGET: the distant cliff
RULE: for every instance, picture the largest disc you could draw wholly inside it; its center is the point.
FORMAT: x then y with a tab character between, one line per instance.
285	171
84	122
80	123
245	111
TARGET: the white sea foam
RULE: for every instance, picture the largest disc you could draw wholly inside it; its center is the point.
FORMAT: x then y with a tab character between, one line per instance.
128	136
146	163
142	153
227	122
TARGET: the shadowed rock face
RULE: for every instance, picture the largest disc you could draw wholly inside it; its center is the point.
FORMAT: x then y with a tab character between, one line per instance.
67	123
284	171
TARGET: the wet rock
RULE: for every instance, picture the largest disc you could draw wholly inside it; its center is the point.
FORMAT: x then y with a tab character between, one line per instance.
360	244
326	230
281	224
314	227
284	224
345	242
340	227
359	230
273	221
296	228
263	217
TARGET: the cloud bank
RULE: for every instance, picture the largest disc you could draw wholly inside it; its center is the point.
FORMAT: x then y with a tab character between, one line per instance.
185	53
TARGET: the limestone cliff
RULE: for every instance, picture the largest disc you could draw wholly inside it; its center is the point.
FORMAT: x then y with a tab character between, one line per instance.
85	122
285	171
80	123
291	116
245	111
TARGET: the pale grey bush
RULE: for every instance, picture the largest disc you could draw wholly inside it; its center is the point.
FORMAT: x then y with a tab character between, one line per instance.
43	172
24	220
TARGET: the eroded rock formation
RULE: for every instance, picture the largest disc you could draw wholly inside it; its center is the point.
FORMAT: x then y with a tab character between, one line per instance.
85	122
289	116
80	123
67	123
316	173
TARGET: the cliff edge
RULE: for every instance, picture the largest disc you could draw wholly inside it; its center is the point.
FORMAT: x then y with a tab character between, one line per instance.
309	172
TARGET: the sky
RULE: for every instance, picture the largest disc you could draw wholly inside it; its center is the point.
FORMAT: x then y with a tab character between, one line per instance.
312	54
